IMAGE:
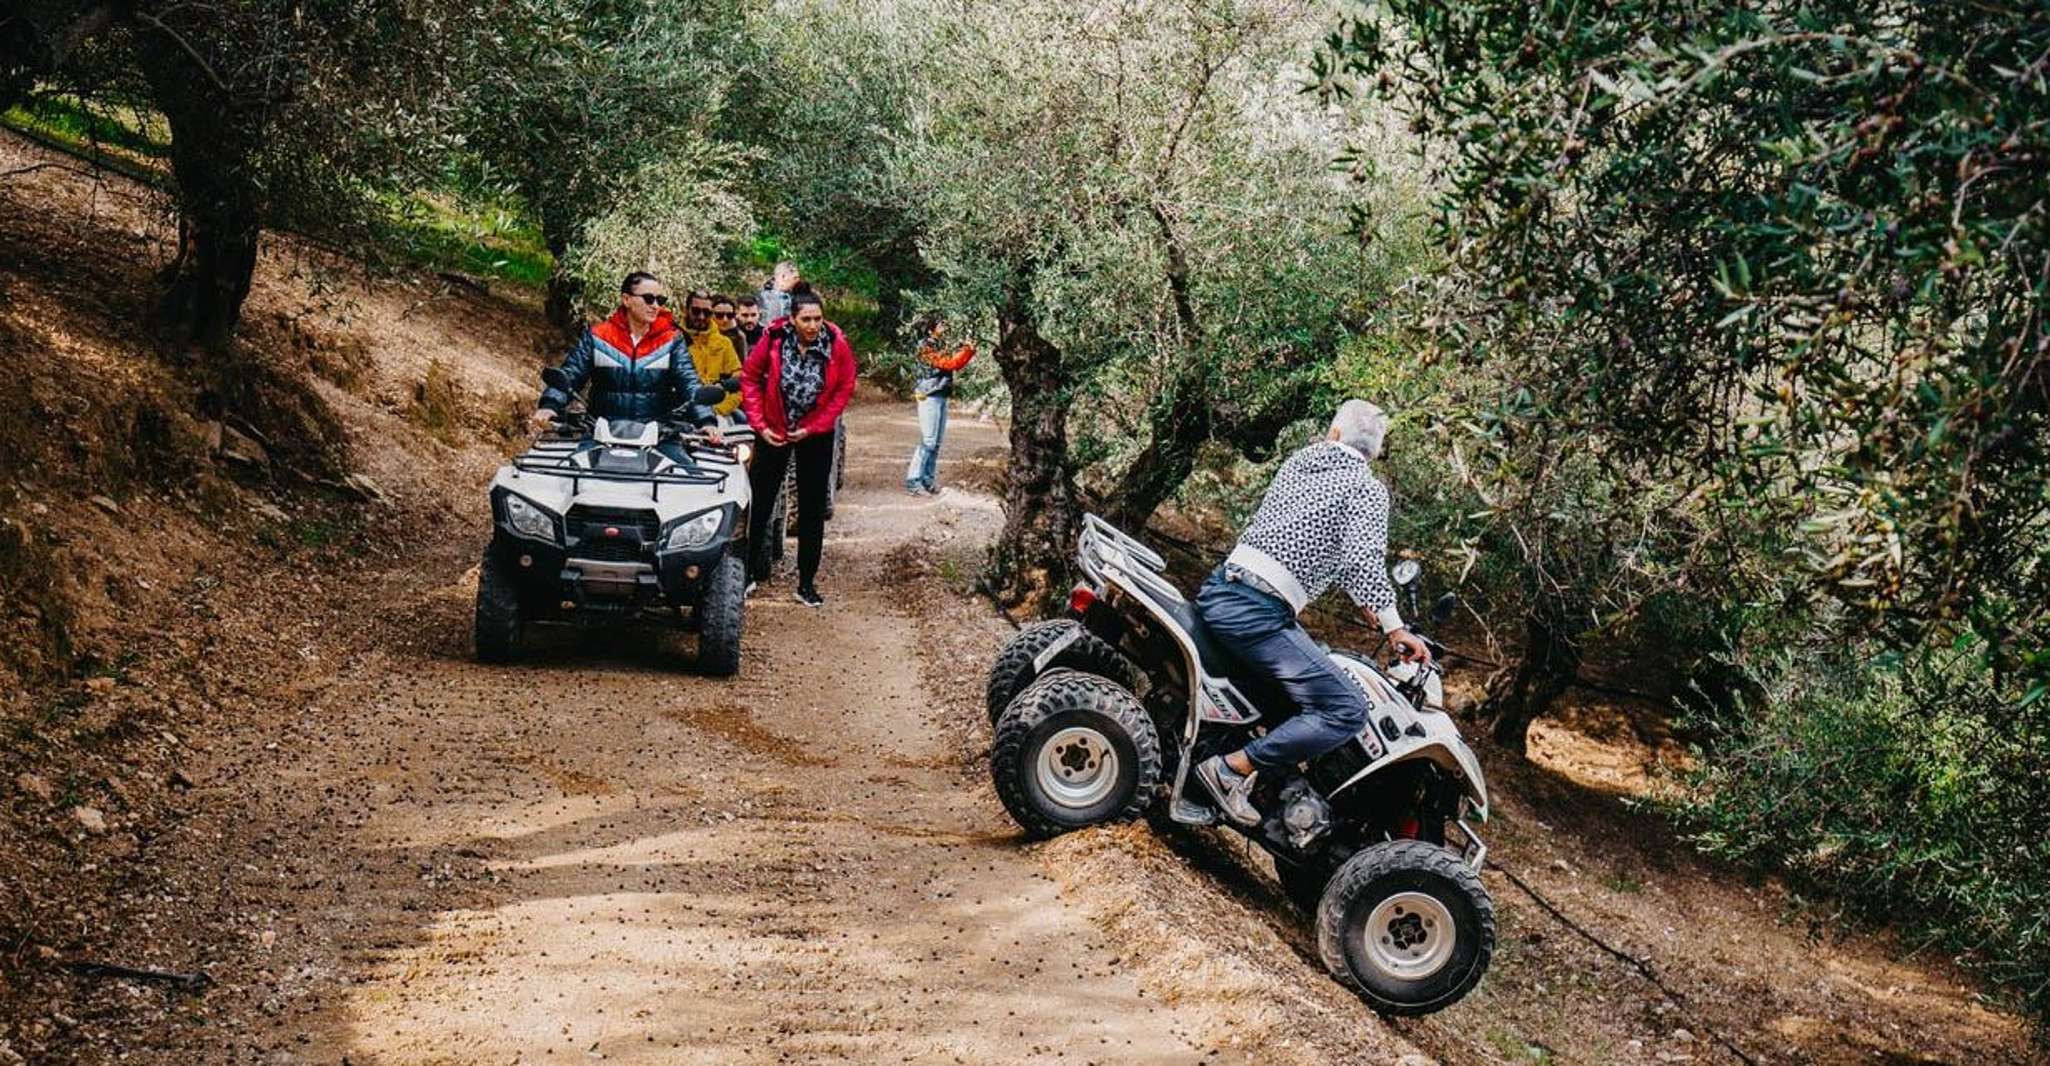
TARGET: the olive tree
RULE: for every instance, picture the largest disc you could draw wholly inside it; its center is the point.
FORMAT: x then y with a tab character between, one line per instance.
578	107
279	114
1787	258
1140	202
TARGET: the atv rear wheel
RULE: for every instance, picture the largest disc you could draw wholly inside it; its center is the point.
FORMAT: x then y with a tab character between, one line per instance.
1014	668
1074	750
1408	925
499	625
721	615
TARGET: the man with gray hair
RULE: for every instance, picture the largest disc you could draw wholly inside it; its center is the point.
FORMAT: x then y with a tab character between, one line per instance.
1324	522
775	296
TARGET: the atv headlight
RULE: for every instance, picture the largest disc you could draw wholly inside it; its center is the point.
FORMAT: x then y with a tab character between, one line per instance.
528	520
695	532
744	452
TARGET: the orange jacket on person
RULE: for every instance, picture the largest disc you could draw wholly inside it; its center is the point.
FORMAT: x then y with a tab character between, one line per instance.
939	379
959	358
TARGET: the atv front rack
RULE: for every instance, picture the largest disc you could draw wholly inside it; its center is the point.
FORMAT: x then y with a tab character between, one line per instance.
543	459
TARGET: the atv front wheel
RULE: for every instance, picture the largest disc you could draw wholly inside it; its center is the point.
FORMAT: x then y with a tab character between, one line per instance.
1014	667
721	614
1074	750
1408	925
499	625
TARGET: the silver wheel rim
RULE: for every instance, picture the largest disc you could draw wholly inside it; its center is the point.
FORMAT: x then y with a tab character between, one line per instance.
1077	767
1409	936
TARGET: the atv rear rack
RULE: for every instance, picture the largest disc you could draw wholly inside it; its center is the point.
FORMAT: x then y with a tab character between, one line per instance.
1094	527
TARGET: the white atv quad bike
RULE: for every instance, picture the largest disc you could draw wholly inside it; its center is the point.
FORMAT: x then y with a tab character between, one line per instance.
1095	713
597	523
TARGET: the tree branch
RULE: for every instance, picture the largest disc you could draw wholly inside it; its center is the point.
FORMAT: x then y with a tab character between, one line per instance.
205	67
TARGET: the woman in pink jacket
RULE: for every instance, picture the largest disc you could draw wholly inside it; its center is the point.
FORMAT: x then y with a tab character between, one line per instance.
794	386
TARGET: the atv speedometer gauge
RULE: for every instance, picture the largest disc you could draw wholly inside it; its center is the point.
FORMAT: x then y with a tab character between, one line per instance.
528	520
695	532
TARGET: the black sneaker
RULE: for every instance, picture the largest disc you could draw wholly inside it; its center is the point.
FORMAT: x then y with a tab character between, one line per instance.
809	596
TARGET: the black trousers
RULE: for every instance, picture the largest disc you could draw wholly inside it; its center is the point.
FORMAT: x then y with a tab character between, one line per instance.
814	458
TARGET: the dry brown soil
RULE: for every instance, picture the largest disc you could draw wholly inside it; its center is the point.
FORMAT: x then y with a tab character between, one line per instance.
383	852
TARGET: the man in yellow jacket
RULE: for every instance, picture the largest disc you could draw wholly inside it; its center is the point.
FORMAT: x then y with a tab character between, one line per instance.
710	352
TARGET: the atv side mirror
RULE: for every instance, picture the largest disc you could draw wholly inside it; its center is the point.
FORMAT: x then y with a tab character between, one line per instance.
708	395
1406	571
554	378
1442	608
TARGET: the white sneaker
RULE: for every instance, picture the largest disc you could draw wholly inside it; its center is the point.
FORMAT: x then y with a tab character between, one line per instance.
1231	789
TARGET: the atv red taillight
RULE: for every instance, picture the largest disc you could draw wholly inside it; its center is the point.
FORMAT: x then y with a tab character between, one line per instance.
1409	828
1080	600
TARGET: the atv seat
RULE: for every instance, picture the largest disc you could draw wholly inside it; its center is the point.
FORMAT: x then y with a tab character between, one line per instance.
1219	660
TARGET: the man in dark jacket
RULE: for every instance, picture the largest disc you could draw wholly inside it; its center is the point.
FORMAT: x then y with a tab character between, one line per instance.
747	319
637	364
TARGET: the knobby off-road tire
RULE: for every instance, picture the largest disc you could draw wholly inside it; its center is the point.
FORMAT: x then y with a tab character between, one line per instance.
499	627
839	479
1408	926
721	617
1074	750
763	552
781	519
1013	671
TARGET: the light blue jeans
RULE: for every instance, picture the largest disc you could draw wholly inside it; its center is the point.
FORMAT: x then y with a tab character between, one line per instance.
925	459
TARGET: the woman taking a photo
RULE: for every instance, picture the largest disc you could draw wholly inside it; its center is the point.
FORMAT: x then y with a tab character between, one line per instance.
794	386
935	383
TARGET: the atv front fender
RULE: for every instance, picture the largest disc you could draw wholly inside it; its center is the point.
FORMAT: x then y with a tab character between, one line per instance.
1442	745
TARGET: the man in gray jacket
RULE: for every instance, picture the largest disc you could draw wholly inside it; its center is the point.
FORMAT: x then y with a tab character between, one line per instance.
775	296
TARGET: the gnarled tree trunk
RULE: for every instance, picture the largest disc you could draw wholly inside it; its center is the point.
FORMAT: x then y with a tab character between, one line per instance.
1033	557
215	140
1198	410
1519	695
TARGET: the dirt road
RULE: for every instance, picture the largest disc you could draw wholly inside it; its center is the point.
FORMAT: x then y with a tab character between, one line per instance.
278	765
656	867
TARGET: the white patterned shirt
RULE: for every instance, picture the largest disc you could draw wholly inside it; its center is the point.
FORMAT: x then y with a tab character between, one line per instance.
1324	522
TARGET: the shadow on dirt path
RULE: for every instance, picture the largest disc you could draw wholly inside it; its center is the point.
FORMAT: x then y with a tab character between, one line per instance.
598	854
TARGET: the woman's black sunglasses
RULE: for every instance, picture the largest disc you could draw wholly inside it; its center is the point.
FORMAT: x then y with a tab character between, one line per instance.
651	299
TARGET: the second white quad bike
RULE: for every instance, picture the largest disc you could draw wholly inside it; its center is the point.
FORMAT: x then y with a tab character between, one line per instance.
1102	715
606	521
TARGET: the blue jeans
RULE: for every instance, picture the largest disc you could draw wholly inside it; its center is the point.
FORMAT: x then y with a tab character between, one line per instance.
925	459
1263	632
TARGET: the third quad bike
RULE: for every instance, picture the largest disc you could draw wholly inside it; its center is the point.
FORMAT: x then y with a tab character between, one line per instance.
608	521
1102	715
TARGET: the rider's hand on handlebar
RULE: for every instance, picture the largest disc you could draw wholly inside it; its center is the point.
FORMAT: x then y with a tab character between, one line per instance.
541	419
1410	648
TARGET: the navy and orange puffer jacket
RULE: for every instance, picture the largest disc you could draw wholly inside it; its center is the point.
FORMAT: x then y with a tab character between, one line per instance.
650	381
